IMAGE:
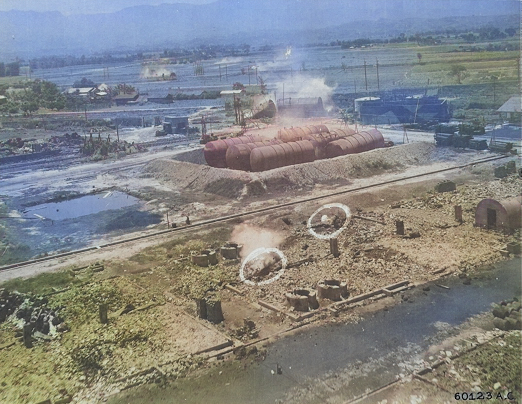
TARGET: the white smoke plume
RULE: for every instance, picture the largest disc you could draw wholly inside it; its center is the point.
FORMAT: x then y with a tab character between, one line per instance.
230	60
302	86
152	72
253	237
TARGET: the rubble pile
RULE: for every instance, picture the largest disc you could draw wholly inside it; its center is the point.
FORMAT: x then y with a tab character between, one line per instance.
493	367
507	316
468	196
18	146
99	148
20	309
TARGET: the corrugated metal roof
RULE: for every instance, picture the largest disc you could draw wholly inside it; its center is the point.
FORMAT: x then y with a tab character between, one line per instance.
511	105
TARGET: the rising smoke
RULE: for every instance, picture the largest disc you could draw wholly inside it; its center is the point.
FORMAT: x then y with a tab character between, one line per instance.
304	86
152	72
253	237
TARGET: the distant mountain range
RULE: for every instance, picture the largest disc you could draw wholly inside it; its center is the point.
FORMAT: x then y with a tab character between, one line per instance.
26	33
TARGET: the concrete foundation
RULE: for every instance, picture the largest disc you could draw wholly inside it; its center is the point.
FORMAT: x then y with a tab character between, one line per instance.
201	308
399	226
200	260
231	251
332	289
214	311
334	247
302	299
205	258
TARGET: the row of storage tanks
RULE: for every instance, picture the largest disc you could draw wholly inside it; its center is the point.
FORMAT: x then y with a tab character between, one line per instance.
291	146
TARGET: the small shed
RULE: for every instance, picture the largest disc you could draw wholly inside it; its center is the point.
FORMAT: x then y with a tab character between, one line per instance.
502	215
176	124
511	106
230	96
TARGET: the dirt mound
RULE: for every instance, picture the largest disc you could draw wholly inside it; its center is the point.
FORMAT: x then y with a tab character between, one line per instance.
191	156
183	175
235	184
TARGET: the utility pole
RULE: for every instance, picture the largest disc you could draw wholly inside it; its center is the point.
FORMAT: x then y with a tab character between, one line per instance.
365	76
378	84
219	72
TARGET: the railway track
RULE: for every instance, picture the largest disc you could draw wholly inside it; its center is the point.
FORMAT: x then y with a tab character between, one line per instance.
223	219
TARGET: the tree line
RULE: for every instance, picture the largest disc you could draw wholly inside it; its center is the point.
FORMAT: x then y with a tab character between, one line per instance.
9	69
29	96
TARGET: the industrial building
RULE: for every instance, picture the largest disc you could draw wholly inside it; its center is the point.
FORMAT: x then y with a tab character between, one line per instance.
402	109
176	124
301	107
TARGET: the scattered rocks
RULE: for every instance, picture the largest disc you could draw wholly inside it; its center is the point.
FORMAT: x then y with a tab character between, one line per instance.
30	310
507	316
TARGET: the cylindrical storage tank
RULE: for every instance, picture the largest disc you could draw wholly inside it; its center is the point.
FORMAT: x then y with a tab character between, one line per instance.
291	157
215	152
320	141
343	132
274	156
358	142
377	137
307	153
338	148
300	133
238	156
367	144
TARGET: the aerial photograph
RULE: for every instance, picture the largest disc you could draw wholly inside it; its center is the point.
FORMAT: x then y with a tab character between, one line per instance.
260	201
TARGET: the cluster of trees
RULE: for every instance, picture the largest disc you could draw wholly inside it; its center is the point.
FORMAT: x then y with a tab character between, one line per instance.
49	62
205	52
9	69
435	38
205	95
32	95
417	38
488	34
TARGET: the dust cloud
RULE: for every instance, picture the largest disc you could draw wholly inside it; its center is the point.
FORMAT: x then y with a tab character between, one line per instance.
302	86
152	72
253	237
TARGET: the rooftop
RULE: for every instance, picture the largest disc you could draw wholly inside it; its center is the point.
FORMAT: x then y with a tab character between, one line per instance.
511	105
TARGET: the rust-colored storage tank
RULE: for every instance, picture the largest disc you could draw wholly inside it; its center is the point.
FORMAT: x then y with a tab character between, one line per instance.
300	133
377	137
238	156
356	143
339	133
320	140
215	152
279	155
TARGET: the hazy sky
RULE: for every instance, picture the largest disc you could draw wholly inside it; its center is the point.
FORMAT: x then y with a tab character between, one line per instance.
84	6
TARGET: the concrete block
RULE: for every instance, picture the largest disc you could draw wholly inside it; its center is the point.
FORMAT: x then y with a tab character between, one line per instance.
214	311
200	260
513	248
332	289
229	253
